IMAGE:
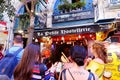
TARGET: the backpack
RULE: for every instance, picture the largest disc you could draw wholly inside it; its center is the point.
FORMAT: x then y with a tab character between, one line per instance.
8	63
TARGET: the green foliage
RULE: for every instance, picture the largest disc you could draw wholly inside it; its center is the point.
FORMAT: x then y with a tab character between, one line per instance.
83	3
24	21
6	6
73	6
67	6
80	4
60	7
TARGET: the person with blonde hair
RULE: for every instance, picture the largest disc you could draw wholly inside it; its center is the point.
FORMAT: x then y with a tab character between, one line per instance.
97	64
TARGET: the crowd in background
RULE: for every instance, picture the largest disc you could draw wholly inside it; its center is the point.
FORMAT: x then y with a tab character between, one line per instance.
81	60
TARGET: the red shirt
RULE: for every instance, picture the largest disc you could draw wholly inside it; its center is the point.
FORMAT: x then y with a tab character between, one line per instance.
1	56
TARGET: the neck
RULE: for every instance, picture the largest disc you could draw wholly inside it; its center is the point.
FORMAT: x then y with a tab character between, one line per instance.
96	56
77	67
20	45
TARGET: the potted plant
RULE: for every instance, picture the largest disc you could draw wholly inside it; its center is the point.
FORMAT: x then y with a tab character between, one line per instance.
65	7
61	8
79	4
73	6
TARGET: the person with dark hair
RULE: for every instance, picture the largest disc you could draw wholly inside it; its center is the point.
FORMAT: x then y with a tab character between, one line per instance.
1	48
97	64
65	52
17	43
30	66
14	53
77	71
52	71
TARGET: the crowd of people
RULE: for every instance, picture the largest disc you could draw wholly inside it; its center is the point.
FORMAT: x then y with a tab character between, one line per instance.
78	61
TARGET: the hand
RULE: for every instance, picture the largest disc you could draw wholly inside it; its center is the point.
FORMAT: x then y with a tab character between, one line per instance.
53	67
87	61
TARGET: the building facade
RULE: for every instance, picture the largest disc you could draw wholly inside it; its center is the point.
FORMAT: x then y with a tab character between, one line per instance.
106	9
108	12
82	18
92	13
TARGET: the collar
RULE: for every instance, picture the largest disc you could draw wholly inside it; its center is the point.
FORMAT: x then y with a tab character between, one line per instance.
18	45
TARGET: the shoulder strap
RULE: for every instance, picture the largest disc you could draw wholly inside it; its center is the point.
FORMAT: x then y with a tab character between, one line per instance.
91	75
16	52
63	73
71	74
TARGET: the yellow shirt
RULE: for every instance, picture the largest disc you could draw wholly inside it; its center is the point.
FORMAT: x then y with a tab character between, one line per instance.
96	68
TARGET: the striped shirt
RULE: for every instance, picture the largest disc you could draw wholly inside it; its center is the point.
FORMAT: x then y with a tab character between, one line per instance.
39	71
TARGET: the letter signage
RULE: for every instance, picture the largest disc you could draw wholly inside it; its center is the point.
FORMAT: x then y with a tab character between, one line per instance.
70	30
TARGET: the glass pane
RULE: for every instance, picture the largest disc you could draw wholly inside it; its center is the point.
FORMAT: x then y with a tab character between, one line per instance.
115	39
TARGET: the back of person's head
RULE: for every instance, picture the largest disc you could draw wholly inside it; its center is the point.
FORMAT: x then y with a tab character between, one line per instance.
31	51
65	49
78	54
18	38
30	56
100	50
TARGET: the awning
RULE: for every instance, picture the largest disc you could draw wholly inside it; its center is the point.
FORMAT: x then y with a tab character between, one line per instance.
106	21
69	30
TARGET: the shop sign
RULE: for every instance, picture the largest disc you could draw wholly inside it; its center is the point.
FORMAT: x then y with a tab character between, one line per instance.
64	31
73	16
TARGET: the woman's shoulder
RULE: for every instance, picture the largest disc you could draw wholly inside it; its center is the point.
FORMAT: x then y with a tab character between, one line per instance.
42	66
77	73
98	60
94	65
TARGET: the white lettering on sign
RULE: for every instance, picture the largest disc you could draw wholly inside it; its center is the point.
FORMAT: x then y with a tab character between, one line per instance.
78	30
87	13
61	16
63	31
51	33
40	34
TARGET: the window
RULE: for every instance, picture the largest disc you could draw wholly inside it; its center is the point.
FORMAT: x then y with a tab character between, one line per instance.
114	39
114	1
114	4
